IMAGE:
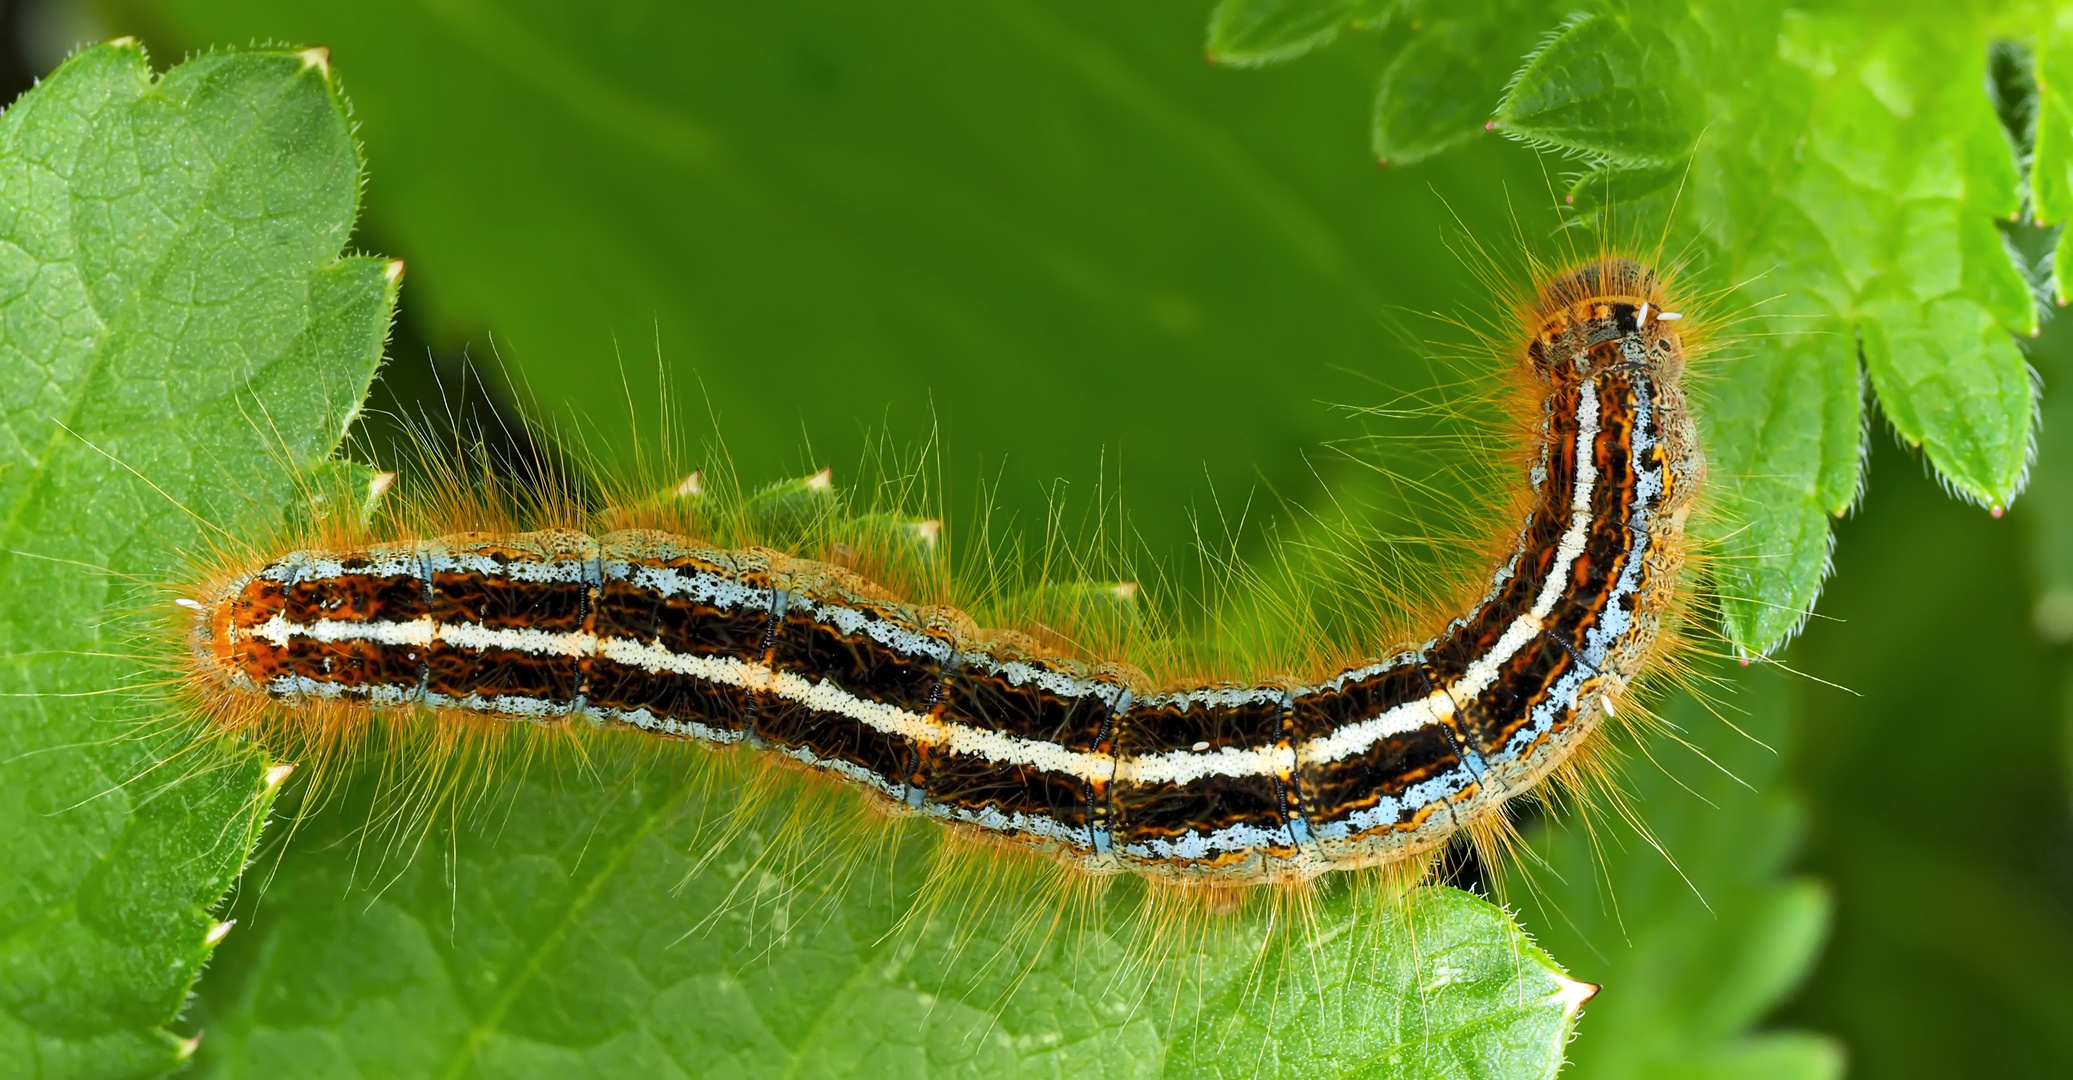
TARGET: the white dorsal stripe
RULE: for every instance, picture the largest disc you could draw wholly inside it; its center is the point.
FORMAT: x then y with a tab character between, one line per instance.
817	694
1188	766
278	631
1483	671
1171	767
1356	738
1177	767
554	571
535	642
824	696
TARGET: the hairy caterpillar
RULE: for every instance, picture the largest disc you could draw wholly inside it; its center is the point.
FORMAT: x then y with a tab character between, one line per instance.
1091	763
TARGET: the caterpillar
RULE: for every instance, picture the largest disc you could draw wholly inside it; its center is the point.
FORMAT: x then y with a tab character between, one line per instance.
1091	763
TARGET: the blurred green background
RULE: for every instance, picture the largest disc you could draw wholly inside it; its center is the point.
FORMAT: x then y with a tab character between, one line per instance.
1014	222
1050	230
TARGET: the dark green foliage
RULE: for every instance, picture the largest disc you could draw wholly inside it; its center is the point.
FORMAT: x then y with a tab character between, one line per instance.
1832	180
168	267
1069	232
247	378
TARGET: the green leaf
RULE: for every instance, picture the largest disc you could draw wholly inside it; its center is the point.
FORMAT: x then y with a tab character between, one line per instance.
1783	441
592	928
1909	165
2051	164
2051	151
588	939
1697	928
1003	222
1846	191
1438	92
1844	201
1950	379
1606	87
167	262
1446	988
1253	33
790	510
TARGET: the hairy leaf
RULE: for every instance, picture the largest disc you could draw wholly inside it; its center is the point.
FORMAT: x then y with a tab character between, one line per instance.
168	263
1604	87
590	927
1843	202
1831	183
